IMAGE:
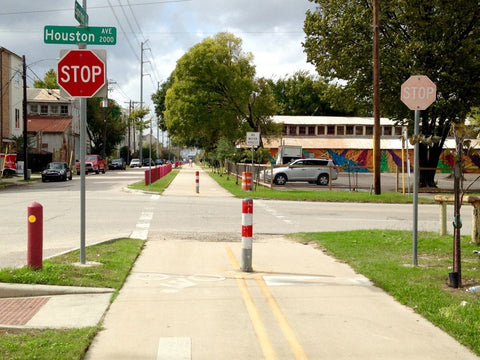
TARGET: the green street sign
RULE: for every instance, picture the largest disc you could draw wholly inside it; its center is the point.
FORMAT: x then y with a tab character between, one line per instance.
80	14
76	35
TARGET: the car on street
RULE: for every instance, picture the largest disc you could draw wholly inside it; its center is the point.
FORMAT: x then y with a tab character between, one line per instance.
93	163
148	162
317	171
57	171
117	164
158	162
135	163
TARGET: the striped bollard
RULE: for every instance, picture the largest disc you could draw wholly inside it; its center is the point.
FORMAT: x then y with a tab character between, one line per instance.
247	232
197	184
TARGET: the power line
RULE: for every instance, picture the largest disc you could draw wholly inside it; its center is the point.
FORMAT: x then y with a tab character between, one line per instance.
90	7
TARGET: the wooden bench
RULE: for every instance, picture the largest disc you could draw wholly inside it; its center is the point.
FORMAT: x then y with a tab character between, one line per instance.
443	200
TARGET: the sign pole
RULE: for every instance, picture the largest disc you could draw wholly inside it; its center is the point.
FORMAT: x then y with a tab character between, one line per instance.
83	154
415	188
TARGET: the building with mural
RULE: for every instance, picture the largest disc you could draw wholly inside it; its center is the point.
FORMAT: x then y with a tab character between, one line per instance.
348	141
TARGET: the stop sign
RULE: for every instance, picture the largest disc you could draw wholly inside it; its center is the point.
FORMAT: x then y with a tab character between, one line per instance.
418	92
81	73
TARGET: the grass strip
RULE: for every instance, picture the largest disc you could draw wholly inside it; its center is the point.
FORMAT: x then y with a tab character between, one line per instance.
385	257
231	184
158	186
116	258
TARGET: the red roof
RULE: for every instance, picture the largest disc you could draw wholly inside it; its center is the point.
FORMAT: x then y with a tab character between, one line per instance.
48	125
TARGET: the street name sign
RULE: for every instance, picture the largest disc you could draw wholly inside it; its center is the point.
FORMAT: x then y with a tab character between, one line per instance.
81	73
80	14
418	92
93	35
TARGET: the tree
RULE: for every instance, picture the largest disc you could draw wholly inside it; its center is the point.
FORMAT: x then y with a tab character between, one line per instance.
49	81
436	38
158	99
113	126
306	94
215	94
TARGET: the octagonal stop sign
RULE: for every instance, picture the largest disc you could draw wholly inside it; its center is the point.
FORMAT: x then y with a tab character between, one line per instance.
418	92
81	73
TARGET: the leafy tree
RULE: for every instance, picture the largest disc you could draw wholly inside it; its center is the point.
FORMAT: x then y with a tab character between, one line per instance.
114	127
436	38
306	94
215	94
49	81
158	99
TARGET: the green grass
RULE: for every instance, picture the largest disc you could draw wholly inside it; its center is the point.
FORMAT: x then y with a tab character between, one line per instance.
116	257
68	344
262	192
385	257
158	186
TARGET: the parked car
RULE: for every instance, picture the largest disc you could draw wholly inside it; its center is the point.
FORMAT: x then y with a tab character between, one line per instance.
148	162
117	164
319	171
93	163
158	162
135	163
57	171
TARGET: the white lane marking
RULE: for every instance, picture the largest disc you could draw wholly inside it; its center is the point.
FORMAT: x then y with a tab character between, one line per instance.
174	348
143	223
273	212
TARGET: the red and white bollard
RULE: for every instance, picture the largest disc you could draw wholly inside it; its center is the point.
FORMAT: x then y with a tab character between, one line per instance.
35	236
247	233
197	183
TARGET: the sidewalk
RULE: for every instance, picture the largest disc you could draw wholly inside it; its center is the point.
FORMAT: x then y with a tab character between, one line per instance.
188	299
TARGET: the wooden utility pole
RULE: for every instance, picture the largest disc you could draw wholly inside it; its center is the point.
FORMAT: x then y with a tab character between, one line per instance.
376	102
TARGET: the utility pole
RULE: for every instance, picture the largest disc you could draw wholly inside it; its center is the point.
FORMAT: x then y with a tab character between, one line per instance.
376	102
141	103
25	122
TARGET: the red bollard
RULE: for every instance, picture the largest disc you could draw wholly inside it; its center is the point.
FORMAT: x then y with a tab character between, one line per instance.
197	184
247	234
35	236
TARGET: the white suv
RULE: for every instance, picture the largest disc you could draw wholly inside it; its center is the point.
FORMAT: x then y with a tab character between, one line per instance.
319	171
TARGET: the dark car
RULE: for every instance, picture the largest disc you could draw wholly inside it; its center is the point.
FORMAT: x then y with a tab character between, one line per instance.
57	171
158	162
117	164
148	162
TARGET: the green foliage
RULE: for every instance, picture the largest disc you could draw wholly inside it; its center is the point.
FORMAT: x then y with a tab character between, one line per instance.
385	257
113	129
158	99
306	94
49	81
124	153
214	95
436	38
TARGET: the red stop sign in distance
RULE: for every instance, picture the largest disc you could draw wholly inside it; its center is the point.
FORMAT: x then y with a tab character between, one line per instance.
81	73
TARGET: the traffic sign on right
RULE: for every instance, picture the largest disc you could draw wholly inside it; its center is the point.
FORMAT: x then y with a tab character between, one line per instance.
418	92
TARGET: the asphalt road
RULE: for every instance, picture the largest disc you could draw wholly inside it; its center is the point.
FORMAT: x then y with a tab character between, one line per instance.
113	212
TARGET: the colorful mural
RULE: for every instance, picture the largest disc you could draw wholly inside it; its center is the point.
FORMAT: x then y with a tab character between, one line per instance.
362	160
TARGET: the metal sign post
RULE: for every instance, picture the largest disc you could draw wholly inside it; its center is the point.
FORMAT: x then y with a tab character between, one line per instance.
418	93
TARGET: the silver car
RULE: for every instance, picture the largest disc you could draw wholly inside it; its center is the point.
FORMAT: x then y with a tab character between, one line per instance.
319	171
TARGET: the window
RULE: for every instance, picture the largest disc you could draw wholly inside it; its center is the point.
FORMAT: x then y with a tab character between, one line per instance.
64	109
54	109
398	130
368	130
340	130
320	130
331	130
43	109
17	119
349	130
387	130
301	130
34	108
293	130
285	129
311	130
359	130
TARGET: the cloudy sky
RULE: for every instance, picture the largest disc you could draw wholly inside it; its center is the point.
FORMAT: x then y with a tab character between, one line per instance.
270	29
